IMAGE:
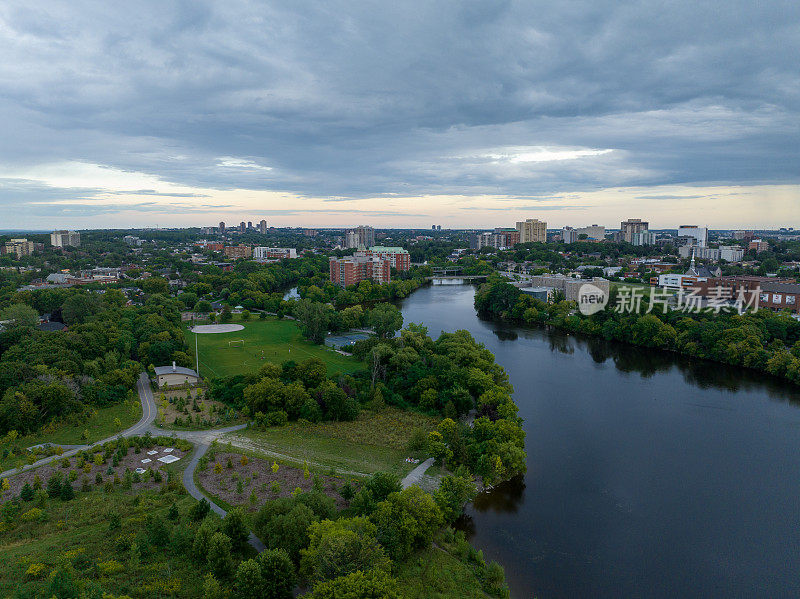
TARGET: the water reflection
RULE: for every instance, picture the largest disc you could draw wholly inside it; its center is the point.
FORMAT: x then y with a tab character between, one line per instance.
649	474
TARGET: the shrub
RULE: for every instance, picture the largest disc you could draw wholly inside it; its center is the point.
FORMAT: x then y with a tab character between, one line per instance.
54	486
200	510
26	494
110	567
35	570
67	492
346	491
374	583
32	515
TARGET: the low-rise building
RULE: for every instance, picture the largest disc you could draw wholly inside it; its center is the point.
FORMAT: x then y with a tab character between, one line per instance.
769	293
172	376
758	245
265	253
238	251
571	287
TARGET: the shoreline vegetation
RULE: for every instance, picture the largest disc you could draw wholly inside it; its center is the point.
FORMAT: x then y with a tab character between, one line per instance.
323	406
763	341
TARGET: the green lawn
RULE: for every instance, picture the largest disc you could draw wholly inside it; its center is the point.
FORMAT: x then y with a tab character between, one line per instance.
270	340
102	425
376	441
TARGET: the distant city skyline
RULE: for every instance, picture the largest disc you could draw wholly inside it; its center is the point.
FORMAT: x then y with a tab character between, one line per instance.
460	114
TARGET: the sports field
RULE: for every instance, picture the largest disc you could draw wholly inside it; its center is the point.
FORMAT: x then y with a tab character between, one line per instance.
270	340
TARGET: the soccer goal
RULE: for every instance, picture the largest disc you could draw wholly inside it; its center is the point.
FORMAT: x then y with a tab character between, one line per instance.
236	343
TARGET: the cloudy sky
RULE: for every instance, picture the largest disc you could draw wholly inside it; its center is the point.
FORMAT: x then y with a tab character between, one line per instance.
399	113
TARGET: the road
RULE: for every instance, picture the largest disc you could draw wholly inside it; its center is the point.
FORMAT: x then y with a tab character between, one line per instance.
201	439
149	412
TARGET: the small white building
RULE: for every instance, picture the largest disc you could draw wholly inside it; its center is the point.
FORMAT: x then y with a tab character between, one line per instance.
172	376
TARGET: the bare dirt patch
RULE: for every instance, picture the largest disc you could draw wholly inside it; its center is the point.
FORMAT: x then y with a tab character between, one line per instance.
253	482
95	475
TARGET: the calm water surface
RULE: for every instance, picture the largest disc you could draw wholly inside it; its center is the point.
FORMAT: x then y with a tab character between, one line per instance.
648	475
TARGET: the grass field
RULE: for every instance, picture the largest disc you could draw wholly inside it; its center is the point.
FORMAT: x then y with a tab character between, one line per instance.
102	425
373	442
270	340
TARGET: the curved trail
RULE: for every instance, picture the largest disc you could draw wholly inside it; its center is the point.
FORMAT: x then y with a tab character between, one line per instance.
149	412
201	439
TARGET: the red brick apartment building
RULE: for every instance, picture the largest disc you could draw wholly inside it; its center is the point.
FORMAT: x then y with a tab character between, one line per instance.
773	294
352	270
238	251
398	258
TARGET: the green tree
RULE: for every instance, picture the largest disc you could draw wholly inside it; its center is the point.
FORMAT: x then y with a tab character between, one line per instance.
249	582
342	547
79	307
278	574
235	526
374	584
454	491
313	318
20	316
27	492
67	492
406	522
219	557
386	320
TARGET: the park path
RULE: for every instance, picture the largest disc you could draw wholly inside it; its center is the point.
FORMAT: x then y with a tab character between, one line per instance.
149	412
413	477
201	439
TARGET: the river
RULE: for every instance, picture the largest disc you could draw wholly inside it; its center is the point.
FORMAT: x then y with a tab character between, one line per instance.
649	475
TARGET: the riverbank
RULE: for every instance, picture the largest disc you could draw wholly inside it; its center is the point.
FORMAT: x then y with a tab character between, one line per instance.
761	341
649	473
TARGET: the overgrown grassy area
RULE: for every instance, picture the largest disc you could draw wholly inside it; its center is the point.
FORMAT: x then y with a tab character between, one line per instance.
270	340
375	441
102	423
435	574
80	539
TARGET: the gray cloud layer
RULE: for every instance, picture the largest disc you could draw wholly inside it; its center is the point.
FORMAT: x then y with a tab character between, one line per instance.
352	100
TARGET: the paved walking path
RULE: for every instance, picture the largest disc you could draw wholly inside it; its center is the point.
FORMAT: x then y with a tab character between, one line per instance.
201	439
149	412
412	478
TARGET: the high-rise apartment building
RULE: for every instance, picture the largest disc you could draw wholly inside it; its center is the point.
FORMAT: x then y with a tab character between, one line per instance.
532	230
354	269
700	234
62	239
242	227
262	227
632	226
569	235
22	247
221	227
398	258
361	237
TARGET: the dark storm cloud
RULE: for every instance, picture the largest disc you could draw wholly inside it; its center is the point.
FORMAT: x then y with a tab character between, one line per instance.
349	100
